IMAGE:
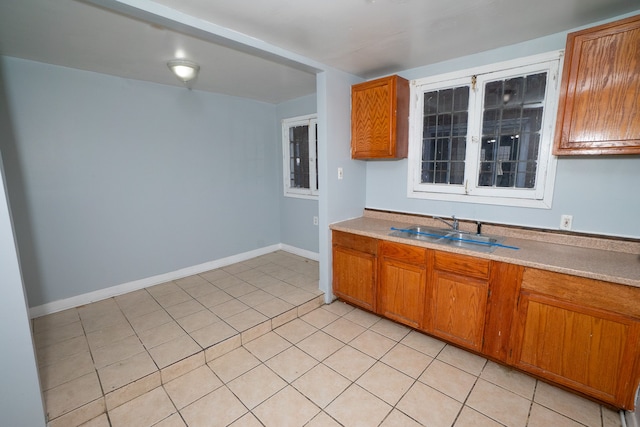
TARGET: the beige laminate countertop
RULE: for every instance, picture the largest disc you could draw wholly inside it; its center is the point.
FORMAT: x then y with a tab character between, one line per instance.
620	267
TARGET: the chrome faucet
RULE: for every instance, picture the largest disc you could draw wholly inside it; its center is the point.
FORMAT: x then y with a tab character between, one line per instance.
453	224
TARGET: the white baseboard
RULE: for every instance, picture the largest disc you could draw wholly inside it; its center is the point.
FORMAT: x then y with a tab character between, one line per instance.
78	300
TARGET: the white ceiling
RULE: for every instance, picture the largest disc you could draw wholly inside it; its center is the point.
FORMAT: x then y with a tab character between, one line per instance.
367	38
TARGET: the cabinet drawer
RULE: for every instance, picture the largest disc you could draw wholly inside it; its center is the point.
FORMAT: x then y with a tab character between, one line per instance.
404	253
356	242
462	264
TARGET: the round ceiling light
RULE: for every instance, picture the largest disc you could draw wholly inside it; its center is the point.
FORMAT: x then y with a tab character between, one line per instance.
184	69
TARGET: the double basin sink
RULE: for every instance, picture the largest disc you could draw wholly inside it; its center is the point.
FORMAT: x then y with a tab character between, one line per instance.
449	237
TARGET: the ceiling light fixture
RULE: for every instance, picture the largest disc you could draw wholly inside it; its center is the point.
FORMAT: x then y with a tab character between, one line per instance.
184	69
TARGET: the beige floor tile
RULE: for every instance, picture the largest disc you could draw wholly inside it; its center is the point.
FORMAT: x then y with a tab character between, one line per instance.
141	308
385	382
338	307
101	421
214	275
173	298
291	363
398	419
344	330
228	282
372	344
71	395
320	345
288	408
213	334
240	289
510	379
190	281
256	386
449	380
80	415
267	346
499	404
470	418
102	321
55	320
274	307
246	320
322	420
174	351
174	420
201	290
192	386
544	417
462	359
126	371
58	335
65	370
423	343
349	362
362	318
407	360
117	351
56	352
185	308
143	411
319	318
183	367
295	331
390	329
109	335
298	297
568	404
132	390
198	320
357	407
229	308
233	364
248	420
428	406
217	409
214	298
279	289
163	289
150	320
256	331
322	385
610	418
256	297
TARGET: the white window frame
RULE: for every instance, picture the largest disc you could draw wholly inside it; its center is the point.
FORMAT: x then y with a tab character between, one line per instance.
310	120
538	197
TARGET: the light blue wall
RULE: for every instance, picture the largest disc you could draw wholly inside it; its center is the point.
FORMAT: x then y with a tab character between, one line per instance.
123	180
296	215
340	199
600	192
20	397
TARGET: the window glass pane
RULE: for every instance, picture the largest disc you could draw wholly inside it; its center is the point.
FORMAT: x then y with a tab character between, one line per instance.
511	125
299	156
444	133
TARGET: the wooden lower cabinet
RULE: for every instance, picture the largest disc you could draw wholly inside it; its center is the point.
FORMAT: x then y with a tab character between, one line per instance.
402	281
355	269
580	333
457	298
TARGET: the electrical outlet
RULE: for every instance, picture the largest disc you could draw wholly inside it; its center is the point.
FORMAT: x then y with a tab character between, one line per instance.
315	220
565	222
340	173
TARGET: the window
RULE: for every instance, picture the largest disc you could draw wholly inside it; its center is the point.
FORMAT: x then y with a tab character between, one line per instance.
485	135
300	151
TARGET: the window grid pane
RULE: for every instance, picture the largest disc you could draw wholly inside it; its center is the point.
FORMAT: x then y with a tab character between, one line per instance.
511	128
299	156
445	116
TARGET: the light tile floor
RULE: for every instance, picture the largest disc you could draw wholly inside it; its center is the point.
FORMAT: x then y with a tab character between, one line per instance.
251	345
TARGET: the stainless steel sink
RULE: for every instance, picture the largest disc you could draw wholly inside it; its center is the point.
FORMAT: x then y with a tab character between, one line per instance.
454	238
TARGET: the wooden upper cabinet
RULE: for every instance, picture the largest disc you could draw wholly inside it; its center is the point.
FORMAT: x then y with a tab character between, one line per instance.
380	119
599	106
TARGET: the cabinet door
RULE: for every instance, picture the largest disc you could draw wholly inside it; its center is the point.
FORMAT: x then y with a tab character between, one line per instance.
355	269
580	348
599	107
402	281
379	118
457	299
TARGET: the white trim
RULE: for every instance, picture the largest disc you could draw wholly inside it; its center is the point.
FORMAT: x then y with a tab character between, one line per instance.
78	300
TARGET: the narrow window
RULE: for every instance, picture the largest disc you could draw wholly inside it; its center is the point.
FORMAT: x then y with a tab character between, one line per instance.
300	152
